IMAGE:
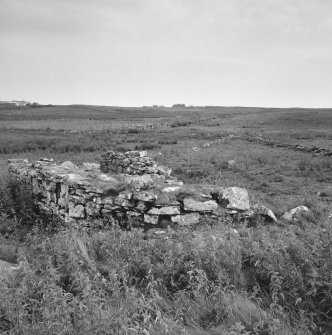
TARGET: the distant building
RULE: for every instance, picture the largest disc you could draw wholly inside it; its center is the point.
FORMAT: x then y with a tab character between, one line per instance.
179	105
21	103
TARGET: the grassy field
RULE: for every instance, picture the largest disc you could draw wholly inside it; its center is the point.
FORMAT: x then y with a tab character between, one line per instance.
281	177
269	280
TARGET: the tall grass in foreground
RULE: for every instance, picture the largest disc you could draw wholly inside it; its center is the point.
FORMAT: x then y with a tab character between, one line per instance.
211	280
215	280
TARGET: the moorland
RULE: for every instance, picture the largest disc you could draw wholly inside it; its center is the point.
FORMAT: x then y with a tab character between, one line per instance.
226	278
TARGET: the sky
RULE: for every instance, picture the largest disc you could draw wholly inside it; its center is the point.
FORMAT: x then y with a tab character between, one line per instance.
273	53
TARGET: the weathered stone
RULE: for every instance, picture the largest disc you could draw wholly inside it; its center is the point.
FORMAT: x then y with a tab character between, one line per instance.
171	189
186	219
76	211
166	200
110	208
130	162
294	214
134	214
76	199
163	170
147	196
123	199
167	210
150	170
196	192
198	206
68	165
266	213
92	209
126	195
49	186
35	186
45	159
173	181
106	177
142	206
299	209
106	200
123	202
134	218
85	195
231	163
51	197
234	198
152	219
90	166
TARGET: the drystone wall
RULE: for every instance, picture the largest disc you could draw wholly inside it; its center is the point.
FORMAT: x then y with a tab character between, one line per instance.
129	189
297	147
131	162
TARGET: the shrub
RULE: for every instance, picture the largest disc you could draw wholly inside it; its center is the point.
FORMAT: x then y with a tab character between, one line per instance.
259	280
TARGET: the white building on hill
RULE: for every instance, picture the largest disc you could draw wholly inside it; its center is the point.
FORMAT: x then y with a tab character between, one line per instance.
21	103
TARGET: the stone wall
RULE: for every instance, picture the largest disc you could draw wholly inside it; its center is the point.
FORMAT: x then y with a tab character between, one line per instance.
297	147
146	195
131	162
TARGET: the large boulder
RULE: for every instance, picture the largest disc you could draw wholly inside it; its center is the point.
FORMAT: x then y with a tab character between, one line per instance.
234	198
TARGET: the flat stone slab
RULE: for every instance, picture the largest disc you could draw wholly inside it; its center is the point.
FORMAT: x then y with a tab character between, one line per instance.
235	198
166	210
152	219
198	206
186	219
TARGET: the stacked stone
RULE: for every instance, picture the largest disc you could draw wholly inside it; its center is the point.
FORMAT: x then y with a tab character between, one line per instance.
85	193
297	147
131	162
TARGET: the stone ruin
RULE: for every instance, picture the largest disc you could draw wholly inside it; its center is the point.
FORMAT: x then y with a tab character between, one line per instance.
129	189
131	162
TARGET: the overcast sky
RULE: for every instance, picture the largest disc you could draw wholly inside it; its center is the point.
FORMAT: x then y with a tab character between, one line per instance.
143	52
